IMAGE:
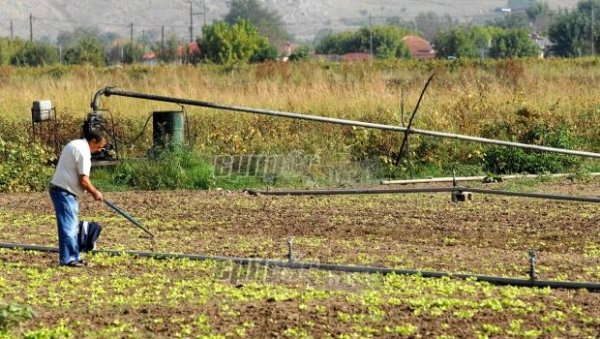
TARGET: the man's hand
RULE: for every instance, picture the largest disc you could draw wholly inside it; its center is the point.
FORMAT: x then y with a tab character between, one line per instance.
85	182
97	195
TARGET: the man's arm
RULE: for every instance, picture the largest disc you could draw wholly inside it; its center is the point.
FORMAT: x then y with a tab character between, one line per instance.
85	182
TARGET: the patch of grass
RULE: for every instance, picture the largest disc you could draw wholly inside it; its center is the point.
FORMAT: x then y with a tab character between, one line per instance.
176	168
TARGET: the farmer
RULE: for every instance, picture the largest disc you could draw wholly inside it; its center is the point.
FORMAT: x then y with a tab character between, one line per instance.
70	181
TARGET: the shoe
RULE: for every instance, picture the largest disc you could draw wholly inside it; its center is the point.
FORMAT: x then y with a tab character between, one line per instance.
74	263
83	262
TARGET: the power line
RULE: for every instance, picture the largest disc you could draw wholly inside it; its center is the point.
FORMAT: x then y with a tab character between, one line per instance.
346	21
343	23
104	23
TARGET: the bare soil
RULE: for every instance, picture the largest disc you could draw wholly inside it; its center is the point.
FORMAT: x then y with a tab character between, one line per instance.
490	235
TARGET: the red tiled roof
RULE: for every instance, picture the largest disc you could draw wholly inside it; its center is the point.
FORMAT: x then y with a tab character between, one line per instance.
419	48
149	56
191	47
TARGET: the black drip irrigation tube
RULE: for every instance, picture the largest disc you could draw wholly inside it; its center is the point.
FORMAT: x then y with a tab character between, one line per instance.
457	189
501	281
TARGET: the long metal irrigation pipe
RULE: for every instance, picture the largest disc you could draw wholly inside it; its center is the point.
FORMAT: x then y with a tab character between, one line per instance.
474	178
354	191
110	91
428	190
338	268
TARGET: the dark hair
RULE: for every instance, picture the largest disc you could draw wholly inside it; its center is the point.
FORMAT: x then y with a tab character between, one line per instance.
93	127
91	132
94	135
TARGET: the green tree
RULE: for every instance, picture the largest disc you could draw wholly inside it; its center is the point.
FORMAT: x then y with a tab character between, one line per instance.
268	22
300	54
72	39
540	15
265	52
461	42
565	33
568	34
511	21
571	31
88	50
513	43
223	43
132	53
9	48
167	53
340	43
387	42
35	54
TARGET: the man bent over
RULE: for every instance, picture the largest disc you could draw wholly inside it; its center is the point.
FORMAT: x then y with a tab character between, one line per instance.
70	181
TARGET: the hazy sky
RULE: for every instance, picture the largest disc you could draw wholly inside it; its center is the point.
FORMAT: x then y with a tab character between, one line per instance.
304	18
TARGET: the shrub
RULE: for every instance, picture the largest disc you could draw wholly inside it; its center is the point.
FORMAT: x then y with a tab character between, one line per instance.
513	43
502	160
166	169
301	54
35	54
88	50
24	166
132	53
227	44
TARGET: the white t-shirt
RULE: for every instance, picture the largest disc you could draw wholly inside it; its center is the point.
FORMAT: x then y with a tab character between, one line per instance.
75	160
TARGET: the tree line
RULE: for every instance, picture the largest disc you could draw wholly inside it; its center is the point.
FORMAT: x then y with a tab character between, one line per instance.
250	33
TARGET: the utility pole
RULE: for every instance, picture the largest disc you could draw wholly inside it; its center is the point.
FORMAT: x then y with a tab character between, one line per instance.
30	27
204	14
593	51
162	40
191	23
192	13
144	41
131	32
12	31
370	35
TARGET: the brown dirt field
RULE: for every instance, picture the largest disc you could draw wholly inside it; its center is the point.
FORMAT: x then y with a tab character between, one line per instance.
424	231
490	235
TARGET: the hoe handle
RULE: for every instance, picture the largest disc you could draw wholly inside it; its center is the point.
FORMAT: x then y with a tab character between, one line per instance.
127	216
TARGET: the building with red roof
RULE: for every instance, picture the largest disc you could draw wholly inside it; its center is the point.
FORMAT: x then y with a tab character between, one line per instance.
419	48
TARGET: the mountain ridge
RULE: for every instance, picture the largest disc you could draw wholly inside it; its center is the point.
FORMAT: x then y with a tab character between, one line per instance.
305	19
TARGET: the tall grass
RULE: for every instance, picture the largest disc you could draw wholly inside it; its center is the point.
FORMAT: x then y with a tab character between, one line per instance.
469	97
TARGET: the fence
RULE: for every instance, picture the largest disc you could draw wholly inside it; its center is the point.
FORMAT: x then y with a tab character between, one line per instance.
336	168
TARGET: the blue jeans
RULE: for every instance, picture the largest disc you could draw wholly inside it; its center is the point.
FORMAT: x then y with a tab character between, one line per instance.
66	208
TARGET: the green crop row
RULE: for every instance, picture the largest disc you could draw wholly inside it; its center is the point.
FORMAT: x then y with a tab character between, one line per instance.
126	296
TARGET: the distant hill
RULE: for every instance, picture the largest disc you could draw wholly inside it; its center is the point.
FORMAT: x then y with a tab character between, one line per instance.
304	18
